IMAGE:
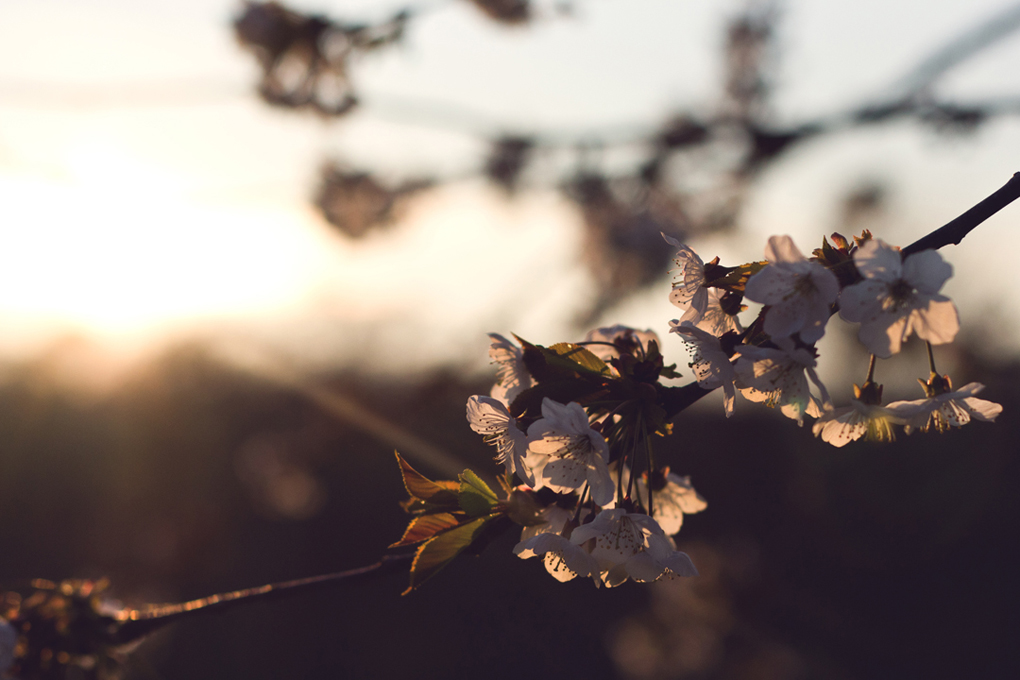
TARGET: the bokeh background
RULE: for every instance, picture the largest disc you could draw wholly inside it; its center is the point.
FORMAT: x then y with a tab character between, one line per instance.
242	265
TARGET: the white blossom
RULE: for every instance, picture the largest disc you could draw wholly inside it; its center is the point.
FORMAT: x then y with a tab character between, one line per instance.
564	452
631	545
899	297
951	409
563	559
512	376
715	320
799	292
777	377
490	418
689	292
710	364
845	424
674	500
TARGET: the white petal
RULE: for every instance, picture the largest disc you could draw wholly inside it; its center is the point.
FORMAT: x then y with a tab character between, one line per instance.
938	323
877	260
782	249
862	301
982	409
926	271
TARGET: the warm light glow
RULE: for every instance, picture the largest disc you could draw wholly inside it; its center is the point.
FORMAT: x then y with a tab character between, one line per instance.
118	246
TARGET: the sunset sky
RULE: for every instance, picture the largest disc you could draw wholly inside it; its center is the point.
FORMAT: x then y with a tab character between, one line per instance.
149	196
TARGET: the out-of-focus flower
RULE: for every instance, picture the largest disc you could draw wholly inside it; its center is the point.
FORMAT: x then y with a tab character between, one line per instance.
945	407
672	498
899	297
564	452
512	375
609	340
490	418
777	377
689	292
798	291
631	545
505	11
507	159
710	363
8	641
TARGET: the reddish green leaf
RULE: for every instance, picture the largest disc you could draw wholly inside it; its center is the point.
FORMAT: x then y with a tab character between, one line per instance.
442	493
580	356
440	550
426	526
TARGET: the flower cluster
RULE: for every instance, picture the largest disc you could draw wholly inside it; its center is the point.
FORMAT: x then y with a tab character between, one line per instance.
573	423
869	283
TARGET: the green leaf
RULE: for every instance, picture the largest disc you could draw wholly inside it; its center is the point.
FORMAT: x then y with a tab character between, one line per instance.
475	496
427	526
580	356
442	493
440	550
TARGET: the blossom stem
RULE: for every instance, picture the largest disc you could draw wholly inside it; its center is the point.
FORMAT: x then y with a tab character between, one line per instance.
137	623
871	370
651	467
954	231
931	358
580	501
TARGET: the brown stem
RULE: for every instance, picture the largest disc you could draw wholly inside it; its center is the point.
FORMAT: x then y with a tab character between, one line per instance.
137	623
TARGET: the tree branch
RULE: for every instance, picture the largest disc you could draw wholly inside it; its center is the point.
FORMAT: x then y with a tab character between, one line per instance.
954	231
137	623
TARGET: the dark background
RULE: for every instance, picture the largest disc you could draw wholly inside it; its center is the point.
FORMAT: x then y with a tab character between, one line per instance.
892	561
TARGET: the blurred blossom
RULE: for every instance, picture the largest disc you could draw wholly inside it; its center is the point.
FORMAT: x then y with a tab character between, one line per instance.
505	11
357	203
277	483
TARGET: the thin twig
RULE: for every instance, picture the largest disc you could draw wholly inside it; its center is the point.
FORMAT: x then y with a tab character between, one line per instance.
137	623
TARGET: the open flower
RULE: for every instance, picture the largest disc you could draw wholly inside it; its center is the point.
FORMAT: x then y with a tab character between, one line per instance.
799	292
777	377
512	376
689	292
952	408
631	545
710	363
563	559
564	452
899	297
490	418
672	498
845	424
715	319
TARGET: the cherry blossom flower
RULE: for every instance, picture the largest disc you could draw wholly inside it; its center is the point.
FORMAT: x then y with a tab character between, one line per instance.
777	377
512	376
604	340
489	417
845	424
563	559
899	297
951	408
715	320
631	545
799	292
710	364
564	452
689	292
672	498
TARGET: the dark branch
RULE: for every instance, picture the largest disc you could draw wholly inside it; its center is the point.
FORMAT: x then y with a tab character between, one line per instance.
954	231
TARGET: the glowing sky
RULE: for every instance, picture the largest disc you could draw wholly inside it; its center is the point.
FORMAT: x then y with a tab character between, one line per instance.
146	194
